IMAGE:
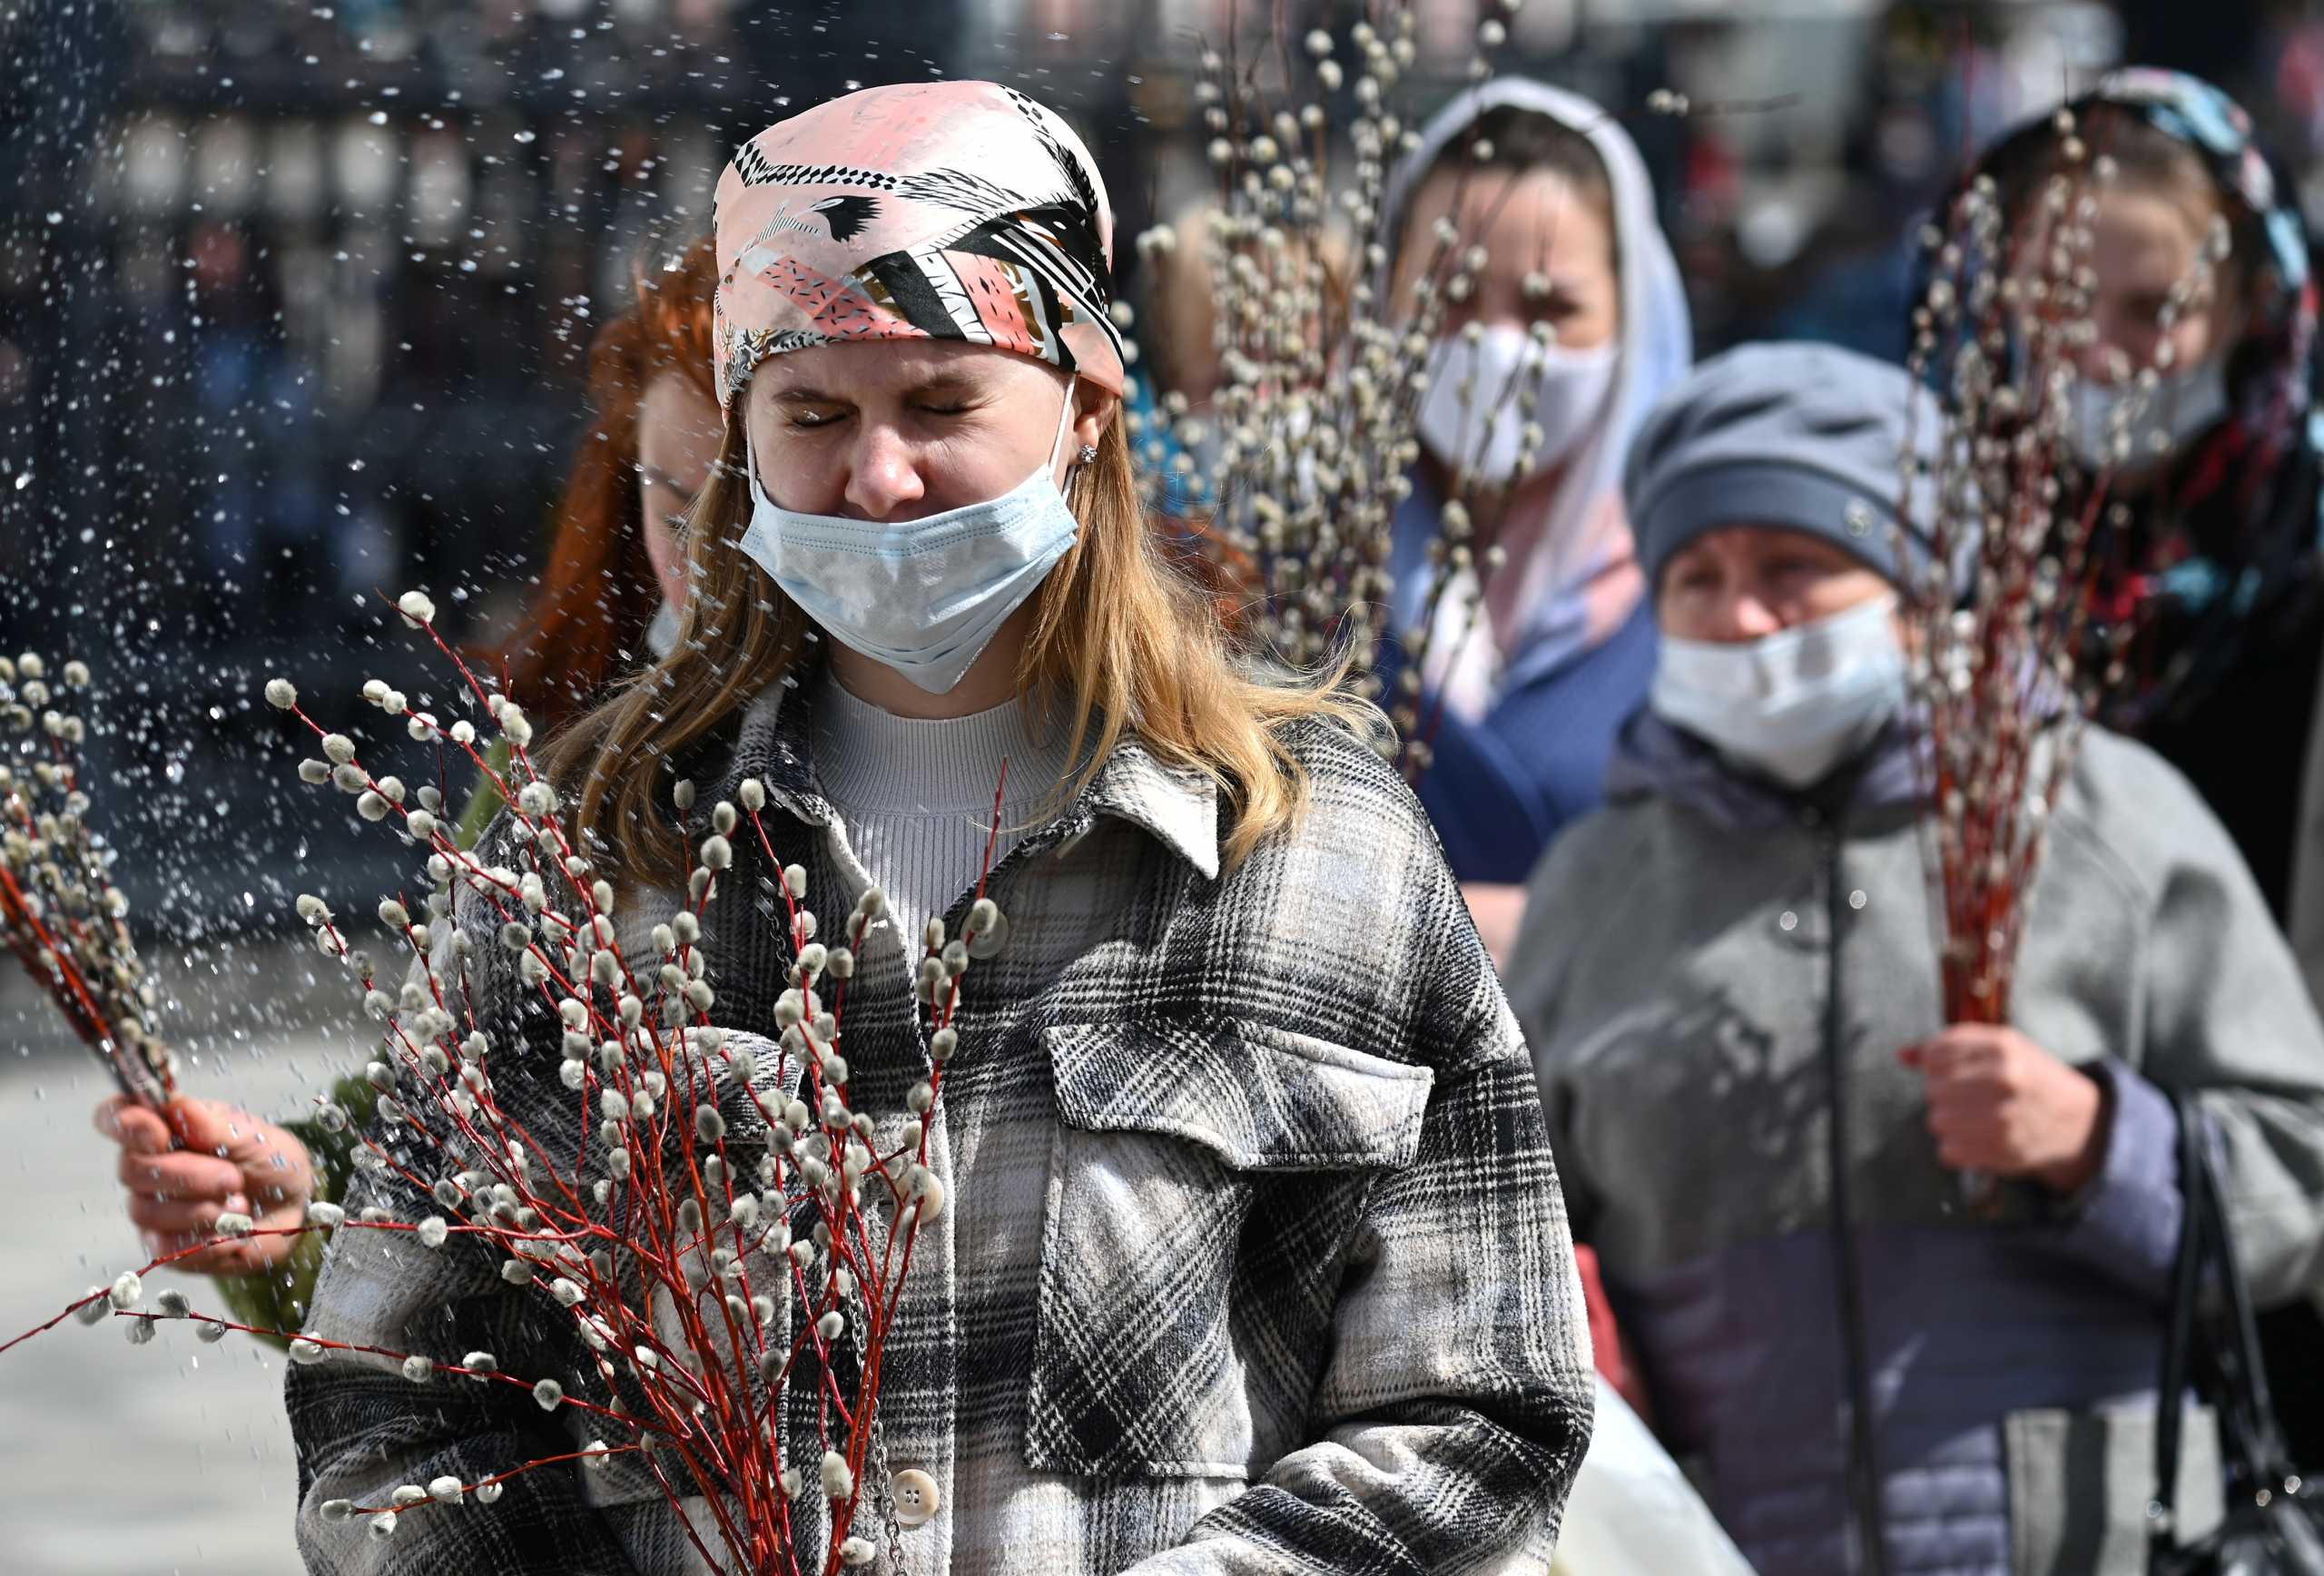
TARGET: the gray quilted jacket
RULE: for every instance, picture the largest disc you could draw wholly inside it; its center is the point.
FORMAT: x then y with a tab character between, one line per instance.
1715	980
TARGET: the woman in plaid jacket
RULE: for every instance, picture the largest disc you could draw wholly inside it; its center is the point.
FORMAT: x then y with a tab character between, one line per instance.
1247	1254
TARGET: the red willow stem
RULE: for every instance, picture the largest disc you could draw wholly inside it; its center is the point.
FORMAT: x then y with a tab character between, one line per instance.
56	965
489	1375
502	1477
60	960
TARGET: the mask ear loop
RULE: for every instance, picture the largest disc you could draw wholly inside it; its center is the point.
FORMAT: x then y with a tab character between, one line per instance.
751	462
1064	423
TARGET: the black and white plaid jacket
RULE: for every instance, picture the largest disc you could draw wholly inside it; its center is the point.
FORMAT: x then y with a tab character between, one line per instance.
1254	1260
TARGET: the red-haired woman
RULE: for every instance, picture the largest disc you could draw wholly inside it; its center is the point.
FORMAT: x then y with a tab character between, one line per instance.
607	599
615	574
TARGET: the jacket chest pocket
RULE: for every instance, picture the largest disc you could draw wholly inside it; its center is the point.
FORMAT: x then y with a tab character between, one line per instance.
1205	1181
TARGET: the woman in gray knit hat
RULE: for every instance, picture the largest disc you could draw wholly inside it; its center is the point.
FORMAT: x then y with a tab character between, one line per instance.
1730	985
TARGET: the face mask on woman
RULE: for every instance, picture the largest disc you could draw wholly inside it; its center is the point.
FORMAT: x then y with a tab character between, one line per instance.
1572	387
922	597
1791	705
2182	406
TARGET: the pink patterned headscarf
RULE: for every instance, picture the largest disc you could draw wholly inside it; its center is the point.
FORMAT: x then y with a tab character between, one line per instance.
945	211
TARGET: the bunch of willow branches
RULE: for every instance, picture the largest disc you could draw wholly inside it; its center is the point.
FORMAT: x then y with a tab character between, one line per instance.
62	916
1304	454
2006	661
713	1218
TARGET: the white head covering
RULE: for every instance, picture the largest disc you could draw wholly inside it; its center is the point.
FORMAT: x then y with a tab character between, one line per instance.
1656	342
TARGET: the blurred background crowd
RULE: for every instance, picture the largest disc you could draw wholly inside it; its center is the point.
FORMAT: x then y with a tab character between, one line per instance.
274	275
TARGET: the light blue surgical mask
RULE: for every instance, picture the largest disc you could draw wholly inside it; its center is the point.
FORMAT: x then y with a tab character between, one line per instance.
922	597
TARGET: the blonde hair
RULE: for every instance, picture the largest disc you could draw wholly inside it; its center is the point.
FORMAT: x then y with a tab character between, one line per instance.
1120	641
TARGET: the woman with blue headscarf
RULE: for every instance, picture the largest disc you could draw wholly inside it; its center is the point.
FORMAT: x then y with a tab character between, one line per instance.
2207	571
2209	574
1527	670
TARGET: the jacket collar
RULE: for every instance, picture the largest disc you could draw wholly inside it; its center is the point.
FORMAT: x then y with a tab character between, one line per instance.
1178	806
1653	759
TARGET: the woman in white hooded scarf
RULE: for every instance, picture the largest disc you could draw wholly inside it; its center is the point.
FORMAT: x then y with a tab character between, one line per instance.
1523	687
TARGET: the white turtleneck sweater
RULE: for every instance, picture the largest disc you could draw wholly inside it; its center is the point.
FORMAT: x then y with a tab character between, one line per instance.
916	796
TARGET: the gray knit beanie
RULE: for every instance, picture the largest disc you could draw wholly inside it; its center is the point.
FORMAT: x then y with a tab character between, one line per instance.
1808	436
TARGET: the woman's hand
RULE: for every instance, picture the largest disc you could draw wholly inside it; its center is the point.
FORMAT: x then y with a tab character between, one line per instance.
1999	1103
231	1161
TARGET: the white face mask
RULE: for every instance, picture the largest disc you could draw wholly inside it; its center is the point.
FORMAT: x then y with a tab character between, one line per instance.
1790	705
1571	388
922	597
2181	406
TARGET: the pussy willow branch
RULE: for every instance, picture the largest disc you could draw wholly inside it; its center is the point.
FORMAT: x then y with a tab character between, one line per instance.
1316	403
2001	619
61	915
628	1257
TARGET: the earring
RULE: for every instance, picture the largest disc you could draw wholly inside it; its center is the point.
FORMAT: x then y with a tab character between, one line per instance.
1089	453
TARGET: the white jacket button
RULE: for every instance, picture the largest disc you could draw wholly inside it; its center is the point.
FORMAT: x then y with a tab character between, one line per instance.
916	1496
